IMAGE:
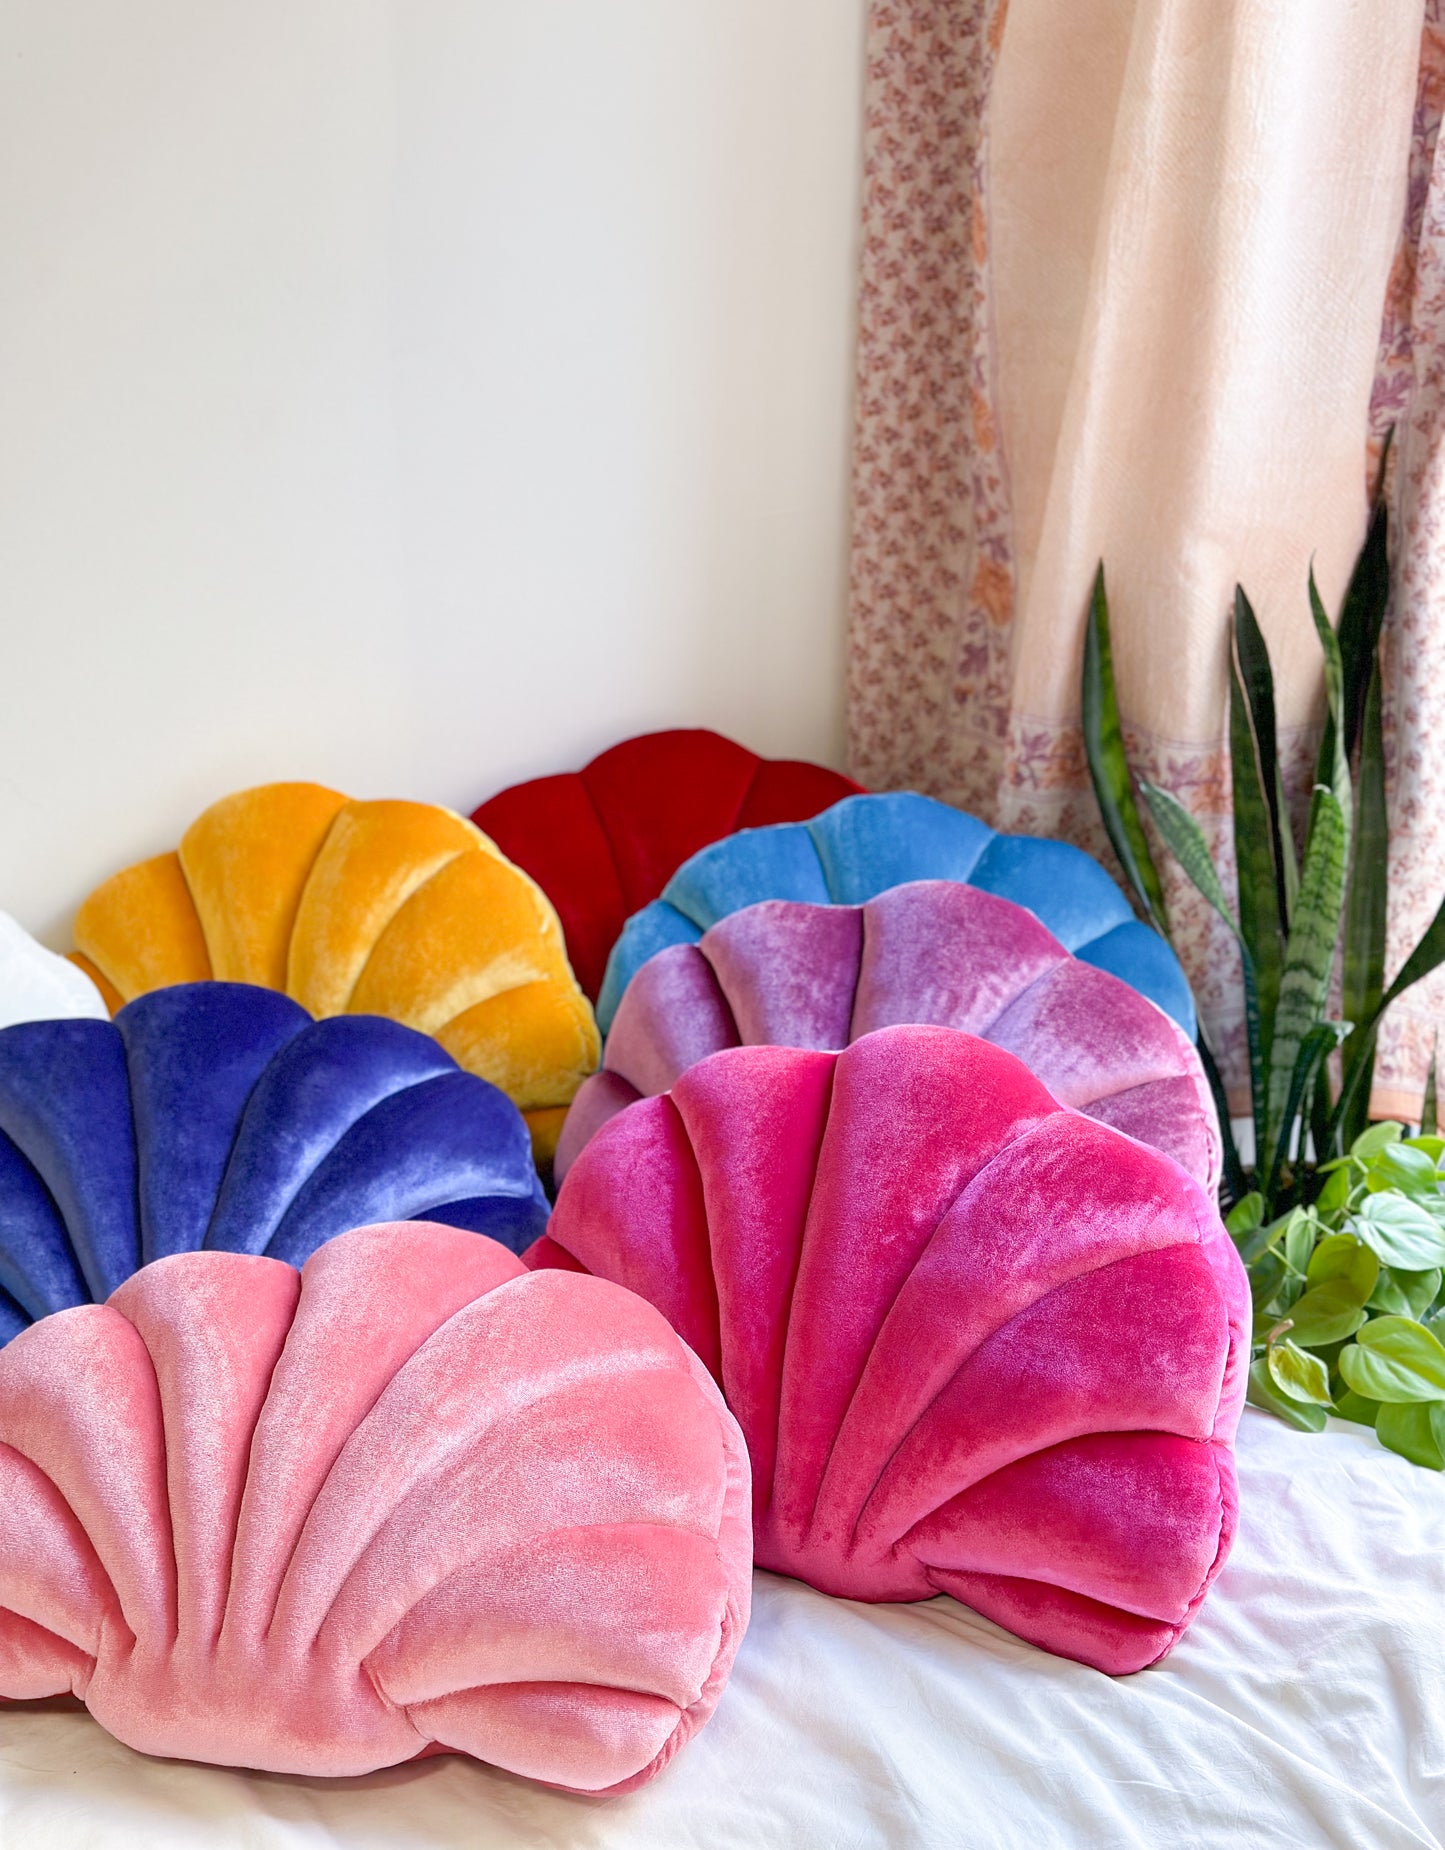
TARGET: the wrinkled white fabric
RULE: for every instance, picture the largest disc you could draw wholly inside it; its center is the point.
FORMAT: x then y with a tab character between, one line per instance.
1306	1707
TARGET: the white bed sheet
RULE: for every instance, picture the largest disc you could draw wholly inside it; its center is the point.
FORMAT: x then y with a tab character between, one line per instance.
1306	1707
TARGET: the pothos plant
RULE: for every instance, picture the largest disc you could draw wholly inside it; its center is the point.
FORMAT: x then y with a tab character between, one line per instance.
1341	1224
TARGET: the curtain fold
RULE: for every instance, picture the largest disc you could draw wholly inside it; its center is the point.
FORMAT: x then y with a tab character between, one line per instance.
1125	270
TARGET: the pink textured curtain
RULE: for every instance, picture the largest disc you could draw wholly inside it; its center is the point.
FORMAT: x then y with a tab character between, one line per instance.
1146	280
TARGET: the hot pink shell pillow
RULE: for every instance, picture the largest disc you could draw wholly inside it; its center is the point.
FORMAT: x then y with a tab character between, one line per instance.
932	951
408	1500
977	1344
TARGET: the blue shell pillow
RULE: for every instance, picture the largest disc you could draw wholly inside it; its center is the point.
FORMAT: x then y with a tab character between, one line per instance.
220	1115
866	844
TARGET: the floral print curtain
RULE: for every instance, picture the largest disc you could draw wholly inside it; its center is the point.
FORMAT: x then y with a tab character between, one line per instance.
1125	268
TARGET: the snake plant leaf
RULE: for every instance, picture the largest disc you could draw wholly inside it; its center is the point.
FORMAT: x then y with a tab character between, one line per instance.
1184	839
1236	1183
1321	1041
1109	765
1429	1110
1416	1430
1253	753
1304	983
1362	614
1334	766
1262	1392
1394	1359
1298	1374
1363	962
1429	952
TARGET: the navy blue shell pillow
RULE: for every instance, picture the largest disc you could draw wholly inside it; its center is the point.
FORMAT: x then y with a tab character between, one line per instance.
220	1115
866	844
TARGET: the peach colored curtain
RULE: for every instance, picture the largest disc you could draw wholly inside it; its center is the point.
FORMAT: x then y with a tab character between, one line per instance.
1125	269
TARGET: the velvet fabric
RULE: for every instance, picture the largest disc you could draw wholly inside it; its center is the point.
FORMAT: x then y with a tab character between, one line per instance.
397	909
866	844
36	985
220	1115
930	951
977	1343
412	1499
603	841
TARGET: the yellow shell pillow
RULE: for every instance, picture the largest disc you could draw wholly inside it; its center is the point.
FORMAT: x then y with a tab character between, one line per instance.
392	908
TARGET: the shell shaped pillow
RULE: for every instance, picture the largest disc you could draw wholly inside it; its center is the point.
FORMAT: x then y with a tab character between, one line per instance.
392	908
36	985
603	841
932	951
866	844
412	1499
977	1344
220	1115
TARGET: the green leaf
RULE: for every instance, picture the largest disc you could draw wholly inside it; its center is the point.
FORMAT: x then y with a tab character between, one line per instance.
1429	1107
1352	1406
1297	1375
1340	1256
1422	960
1362	614
1433	1146
1246	1214
1378	1137
1335	1193
1185	840
1109	765
1266	1276
1363	961
1400	1232
1318	1044
1416	1430
1402	1166
1326	1313
1262	1392
1405	1294
1334	766
1234	1181
1304	984
1254	761
1393	1359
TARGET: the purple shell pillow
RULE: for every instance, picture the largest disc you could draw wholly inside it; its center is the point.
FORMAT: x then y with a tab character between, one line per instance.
934	951
976	1343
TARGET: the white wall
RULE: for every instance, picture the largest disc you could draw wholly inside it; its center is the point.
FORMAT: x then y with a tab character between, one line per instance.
413	397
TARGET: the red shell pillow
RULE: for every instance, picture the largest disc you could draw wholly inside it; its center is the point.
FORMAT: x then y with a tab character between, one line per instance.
604	841
977	1343
411	1499
935	951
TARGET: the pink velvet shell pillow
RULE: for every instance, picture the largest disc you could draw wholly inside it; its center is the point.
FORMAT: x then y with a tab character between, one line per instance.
933	951
977	1343
411	1499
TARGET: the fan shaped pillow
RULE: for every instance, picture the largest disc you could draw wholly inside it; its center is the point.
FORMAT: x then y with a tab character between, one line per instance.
397	909
36	985
412	1499
977	1343
220	1115
603	841
866	844
931	951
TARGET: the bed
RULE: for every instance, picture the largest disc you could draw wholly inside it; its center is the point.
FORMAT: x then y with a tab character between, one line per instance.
1306	1707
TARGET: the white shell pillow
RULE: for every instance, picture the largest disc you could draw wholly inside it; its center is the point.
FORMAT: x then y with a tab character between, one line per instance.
36	985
